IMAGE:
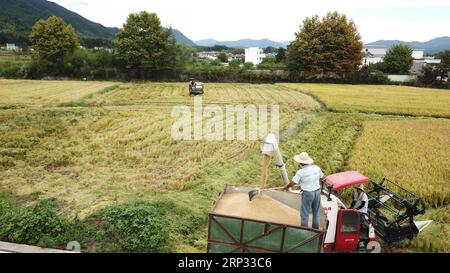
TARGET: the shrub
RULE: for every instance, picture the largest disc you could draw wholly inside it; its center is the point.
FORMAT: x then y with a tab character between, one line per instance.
38	224
147	226
13	70
139	227
368	74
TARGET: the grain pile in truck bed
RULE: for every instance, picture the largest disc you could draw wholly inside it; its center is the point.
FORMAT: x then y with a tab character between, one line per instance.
263	208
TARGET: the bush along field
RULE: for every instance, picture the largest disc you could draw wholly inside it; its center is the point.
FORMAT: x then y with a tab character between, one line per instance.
101	166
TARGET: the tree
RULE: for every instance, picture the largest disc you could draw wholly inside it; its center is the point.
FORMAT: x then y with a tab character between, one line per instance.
235	64
270	49
431	73
444	67
270	63
398	59
331	45
248	65
428	75
144	48
222	57
236	51
281	55
368	74
52	39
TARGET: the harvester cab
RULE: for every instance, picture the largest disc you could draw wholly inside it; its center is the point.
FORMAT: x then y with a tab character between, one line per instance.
195	88
345	232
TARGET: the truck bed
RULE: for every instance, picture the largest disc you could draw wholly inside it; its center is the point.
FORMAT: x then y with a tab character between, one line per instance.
269	223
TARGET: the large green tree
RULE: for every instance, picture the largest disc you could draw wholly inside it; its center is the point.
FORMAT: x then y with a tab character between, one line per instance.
331	45
144	48
52	39
222	57
432	74
281	55
443	68
398	59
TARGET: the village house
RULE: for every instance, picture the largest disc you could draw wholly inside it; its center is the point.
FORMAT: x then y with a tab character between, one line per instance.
210	55
375	54
254	55
12	47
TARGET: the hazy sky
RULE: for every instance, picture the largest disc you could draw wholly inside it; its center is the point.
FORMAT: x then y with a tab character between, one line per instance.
407	20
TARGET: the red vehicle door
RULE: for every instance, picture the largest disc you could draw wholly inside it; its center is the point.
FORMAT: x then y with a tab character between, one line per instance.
347	233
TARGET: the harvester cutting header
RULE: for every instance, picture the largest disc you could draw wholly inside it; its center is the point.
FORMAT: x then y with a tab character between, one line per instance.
268	220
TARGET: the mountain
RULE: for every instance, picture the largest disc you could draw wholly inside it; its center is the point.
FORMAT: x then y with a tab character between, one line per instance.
430	47
21	15
181	38
263	43
18	16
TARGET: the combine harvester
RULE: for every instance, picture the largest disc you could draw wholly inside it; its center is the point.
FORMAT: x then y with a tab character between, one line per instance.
271	222
195	88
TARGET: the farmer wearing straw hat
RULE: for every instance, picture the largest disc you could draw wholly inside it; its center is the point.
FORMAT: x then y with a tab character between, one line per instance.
361	202
308	177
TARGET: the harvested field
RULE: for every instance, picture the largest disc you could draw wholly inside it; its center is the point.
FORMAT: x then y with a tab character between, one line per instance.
21	92
92	157
169	94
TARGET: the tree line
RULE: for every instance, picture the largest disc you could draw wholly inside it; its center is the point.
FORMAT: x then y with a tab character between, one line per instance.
325	49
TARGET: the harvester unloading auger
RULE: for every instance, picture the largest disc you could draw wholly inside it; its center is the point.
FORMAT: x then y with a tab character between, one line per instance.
391	213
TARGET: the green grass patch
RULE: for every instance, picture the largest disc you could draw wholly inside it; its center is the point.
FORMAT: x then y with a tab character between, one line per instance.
38	224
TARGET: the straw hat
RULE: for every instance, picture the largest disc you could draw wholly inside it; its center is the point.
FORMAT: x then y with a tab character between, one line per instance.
303	158
360	187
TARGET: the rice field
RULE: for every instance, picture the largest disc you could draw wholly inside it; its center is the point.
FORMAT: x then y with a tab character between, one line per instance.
38	93
92	157
12	57
436	238
413	152
95	146
173	93
382	99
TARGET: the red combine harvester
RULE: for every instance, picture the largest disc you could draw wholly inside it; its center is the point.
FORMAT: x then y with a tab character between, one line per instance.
390	217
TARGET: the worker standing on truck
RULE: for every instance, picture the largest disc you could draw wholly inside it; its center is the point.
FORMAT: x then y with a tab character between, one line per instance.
361	203
308	177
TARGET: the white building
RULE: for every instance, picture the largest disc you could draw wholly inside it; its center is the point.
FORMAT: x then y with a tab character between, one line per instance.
11	47
417	54
374	54
210	55
254	55
424	61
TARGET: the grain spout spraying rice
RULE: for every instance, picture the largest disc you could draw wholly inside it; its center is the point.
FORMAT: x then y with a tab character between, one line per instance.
263	208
